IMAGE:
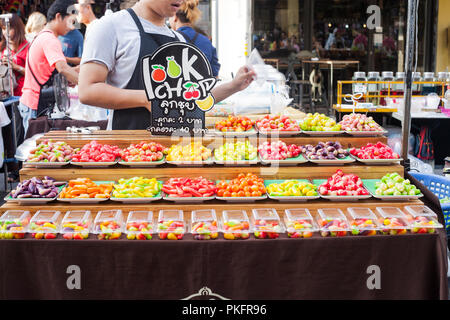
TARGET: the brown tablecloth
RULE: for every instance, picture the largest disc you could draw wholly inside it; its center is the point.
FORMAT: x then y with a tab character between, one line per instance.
411	267
44	124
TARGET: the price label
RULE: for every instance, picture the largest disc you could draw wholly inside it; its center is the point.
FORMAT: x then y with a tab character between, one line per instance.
178	80
360	88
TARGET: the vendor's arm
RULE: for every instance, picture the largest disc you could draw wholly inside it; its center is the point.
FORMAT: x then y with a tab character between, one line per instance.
75	60
93	90
242	80
67	71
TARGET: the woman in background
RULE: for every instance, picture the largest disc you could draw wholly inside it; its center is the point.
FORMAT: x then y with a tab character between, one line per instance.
18	46
36	22
183	22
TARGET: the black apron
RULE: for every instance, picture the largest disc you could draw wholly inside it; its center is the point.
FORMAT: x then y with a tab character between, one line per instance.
139	118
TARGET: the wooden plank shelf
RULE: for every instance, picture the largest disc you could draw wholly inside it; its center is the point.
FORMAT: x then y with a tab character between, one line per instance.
215	172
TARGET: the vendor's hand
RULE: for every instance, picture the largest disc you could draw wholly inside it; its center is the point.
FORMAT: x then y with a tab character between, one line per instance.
243	78
77	68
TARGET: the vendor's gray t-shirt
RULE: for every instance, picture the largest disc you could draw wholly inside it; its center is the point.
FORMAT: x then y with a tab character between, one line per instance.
114	41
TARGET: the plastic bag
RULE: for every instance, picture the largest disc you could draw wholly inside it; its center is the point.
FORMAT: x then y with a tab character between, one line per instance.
79	111
24	149
419	166
256	63
280	100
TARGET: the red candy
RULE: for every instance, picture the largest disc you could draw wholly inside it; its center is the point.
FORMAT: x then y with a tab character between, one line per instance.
97	152
374	151
341	184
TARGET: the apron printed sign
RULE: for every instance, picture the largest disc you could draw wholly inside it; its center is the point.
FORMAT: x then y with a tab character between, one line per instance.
178	81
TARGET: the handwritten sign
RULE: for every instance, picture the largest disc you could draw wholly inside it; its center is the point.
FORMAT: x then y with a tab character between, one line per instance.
178	80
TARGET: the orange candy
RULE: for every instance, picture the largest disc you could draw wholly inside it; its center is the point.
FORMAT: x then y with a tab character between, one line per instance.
245	185
86	188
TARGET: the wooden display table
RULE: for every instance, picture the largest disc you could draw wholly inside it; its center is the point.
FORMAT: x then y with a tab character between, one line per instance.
284	268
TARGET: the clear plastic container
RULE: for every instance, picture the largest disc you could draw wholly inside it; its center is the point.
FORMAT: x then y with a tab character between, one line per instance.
332	222
442	77
204	224
392	221
76	225
416	87
373	88
236	225
398	88
139	225
428	88
13	224
386	76
363	222
359	87
422	219
299	223
266	224
108	224
171	225
45	224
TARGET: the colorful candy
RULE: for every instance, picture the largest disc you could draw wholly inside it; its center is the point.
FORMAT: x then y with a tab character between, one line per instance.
141	230
143	151
363	227
234	124
191	152
44	224
137	187
299	228
236	151
392	226
187	187
393	184
51	151
76	225
245	185
97	152
108	224
292	188
171	225
86	188
13	224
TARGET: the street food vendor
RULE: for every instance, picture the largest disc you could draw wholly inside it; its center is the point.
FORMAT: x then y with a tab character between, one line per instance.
111	76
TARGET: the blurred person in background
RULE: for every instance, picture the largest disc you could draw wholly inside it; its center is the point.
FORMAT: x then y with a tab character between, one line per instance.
45	59
18	46
72	45
86	14
35	23
183	22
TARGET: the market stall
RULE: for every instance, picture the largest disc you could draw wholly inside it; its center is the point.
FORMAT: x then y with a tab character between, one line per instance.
317	266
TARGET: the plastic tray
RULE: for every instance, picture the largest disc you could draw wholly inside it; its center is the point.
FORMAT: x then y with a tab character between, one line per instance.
241	199
287	162
289	198
76	225
142	164
87	200
279	133
369	184
14	223
266	223
47	165
236	225
207	162
31	201
171	225
299	223
366	133
323	133
422	219
332	222
335	162
237	163
45	224
108	224
140	225
248	133
204	224
387	225
377	161
93	164
363	222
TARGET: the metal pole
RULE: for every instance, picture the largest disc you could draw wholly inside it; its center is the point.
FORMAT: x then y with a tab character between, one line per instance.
409	54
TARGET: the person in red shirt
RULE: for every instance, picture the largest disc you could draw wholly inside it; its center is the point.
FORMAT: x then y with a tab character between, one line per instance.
18	46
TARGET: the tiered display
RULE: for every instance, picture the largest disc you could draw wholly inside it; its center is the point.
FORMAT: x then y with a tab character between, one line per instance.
264	200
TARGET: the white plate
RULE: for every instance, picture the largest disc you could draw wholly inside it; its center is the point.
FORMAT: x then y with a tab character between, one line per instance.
282	163
136	200
237	163
241	199
45	164
332	162
292	199
188	199
366	133
323	133
93	164
25	201
397	198
82	200
192	163
346	198
142	164
279	133
377	161
249	133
